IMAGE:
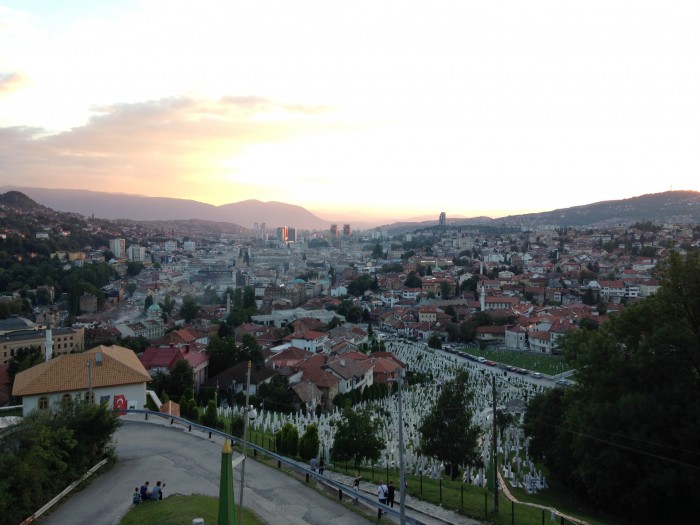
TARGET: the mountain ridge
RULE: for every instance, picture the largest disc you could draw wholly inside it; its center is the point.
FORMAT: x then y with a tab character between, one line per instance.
679	206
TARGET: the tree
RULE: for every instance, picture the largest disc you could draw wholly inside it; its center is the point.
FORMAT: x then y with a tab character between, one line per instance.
180	379
377	252
211	418
189	309
223	353
131	287
447	432
134	268
413	280
287	440
147	302
435	341
357	437
168	305
276	394
309	443
633	413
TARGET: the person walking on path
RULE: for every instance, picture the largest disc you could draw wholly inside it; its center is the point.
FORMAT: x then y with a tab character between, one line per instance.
321	466
313	464
390	494
382	491
356	481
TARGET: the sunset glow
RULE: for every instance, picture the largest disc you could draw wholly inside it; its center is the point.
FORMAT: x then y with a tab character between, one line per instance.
353	109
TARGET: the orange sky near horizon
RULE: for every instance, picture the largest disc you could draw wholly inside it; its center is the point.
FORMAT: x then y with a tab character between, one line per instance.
353	110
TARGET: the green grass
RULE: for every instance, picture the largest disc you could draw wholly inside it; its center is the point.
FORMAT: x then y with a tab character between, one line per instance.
545	364
181	510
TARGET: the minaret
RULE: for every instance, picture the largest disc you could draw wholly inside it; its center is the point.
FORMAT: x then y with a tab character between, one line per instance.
228	302
482	299
48	346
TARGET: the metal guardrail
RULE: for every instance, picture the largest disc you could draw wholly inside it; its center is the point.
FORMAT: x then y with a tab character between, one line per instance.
58	497
342	489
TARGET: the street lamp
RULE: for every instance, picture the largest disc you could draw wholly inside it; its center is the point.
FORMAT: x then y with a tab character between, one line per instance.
247	415
494	451
402	473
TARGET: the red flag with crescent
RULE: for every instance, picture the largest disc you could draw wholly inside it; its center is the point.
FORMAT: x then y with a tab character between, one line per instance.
120	404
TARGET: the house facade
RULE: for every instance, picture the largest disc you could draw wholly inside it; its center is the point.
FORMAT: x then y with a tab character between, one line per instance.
114	375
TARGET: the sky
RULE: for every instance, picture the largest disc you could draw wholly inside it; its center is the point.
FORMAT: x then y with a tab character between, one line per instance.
354	109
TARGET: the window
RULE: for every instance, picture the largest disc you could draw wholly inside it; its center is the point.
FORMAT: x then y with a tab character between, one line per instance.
87	397
66	399
43	403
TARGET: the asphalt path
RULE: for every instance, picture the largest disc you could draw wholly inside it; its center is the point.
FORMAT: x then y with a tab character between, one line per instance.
190	463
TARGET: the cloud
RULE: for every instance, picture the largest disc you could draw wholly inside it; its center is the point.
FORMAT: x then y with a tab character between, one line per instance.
10	82
169	147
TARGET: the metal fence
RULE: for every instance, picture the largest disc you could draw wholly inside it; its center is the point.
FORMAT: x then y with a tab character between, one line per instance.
342	490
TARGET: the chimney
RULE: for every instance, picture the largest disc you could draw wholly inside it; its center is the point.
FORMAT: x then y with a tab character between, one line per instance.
172	345
187	348
48	346
342	362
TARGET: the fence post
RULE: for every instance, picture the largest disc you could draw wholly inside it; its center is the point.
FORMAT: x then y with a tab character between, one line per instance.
512	512
307	477
461	505
486	504
340	494
441	491
421	482
542	516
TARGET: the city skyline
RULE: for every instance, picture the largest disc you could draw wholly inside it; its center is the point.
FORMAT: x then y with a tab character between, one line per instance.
353	110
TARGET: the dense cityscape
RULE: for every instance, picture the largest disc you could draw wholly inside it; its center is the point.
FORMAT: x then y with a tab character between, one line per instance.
331	318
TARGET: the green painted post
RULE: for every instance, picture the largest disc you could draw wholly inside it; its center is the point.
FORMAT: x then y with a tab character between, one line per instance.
461	505
512	513
440	491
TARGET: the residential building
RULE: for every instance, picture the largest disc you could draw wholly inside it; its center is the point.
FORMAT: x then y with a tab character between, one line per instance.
113	373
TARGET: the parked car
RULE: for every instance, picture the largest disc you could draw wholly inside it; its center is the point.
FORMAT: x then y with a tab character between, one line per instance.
537	375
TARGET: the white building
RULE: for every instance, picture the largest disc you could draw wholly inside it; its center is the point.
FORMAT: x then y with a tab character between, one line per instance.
113	373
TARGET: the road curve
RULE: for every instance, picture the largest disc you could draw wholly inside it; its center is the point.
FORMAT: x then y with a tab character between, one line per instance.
189	463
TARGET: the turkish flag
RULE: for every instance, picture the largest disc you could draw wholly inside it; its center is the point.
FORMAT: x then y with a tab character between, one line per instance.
120	404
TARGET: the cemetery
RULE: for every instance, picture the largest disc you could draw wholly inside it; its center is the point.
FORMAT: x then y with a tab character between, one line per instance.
513	390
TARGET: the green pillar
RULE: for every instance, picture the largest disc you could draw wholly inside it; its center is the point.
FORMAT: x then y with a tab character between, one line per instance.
226	510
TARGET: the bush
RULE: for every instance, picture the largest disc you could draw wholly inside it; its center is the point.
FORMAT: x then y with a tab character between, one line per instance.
309	443
287	440
237	425
211	418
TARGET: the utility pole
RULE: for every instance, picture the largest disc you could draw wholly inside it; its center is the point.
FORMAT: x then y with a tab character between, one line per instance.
494	450
245	439
402	473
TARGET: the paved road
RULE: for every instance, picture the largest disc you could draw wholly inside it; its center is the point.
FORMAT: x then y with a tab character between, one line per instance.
189	463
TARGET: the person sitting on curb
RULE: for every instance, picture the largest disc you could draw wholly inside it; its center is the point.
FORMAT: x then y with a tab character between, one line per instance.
144	492
157	492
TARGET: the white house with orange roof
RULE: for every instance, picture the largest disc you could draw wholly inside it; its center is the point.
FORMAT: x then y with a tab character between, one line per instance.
113	373
311	341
